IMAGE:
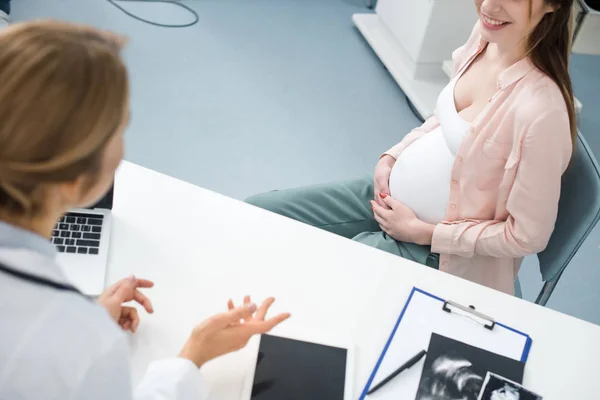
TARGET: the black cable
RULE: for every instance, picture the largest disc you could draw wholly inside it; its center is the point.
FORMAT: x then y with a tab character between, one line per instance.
38	280
413	109
174	2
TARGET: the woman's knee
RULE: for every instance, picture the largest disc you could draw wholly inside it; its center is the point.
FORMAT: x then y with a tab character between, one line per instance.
378	240
372	239
270	201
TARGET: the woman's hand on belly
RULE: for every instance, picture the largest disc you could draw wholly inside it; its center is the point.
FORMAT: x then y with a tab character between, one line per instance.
381	177
400	222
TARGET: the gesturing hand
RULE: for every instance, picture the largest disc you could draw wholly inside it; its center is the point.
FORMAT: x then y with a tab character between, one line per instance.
400	222
381	177
230	331
124	291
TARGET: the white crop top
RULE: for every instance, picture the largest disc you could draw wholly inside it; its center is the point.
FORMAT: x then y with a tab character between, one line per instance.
422	173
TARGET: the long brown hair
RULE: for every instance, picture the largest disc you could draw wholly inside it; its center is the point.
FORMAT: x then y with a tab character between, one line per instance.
549	47
64	93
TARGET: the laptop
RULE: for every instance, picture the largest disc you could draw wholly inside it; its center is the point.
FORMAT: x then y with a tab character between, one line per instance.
82	238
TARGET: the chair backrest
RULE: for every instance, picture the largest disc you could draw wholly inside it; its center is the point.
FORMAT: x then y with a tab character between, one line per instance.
578	212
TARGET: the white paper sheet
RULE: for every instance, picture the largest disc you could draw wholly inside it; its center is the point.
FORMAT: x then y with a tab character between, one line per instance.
424	316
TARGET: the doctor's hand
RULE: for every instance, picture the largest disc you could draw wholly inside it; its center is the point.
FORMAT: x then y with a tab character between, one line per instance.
381	178
400	222
230	331
124	291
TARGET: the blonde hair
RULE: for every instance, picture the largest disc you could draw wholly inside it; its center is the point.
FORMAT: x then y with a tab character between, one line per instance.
63	95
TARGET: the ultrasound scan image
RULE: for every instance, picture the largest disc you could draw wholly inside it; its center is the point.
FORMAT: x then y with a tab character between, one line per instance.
498	388
456	371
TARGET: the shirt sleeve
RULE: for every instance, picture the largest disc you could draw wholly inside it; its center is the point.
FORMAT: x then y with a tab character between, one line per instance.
532	203
109	377
175	378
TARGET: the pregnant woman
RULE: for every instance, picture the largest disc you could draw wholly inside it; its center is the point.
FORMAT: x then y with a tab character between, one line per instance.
476	187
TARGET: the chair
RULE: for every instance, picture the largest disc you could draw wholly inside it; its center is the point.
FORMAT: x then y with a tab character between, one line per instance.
578	213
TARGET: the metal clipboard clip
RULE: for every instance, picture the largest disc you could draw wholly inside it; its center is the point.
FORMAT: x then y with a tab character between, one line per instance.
469	312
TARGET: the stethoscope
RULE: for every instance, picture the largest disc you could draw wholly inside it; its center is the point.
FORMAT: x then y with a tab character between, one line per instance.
39	280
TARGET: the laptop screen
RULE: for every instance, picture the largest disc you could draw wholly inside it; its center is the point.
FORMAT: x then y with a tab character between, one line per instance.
107	201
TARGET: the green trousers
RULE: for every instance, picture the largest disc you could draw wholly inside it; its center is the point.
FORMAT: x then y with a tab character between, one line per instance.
342	208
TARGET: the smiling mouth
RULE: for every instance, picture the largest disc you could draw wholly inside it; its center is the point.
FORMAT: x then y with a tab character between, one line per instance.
492	21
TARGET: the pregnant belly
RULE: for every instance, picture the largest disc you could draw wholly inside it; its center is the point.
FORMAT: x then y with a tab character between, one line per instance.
420	178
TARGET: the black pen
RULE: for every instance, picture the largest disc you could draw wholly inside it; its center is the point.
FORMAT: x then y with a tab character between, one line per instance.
404	366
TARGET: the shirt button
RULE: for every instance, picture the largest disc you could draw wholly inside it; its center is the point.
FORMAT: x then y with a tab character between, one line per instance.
471	129
460	158
453	206
455	181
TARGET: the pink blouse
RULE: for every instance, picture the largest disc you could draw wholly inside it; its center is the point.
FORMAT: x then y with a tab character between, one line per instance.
505	181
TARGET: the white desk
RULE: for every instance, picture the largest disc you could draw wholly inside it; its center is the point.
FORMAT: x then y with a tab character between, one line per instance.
200	248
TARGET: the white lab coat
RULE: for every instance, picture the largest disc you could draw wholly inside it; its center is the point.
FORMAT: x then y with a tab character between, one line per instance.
57	345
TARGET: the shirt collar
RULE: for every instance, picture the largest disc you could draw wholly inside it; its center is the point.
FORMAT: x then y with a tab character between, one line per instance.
510	75
19	238
30	253
514	73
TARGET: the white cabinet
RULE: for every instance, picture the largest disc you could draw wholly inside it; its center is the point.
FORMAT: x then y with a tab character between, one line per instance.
413	38
587	29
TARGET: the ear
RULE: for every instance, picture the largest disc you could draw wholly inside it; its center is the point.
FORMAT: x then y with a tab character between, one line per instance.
550	7
71	193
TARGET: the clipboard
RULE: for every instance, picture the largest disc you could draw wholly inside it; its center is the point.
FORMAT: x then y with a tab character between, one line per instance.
424	314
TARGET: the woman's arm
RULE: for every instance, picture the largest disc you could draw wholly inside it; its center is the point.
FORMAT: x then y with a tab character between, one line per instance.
109	377
532	203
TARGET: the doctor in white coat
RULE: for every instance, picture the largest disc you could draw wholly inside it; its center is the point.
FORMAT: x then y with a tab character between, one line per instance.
63	110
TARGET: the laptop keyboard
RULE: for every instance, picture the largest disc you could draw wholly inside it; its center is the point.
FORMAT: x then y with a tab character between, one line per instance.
78	233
